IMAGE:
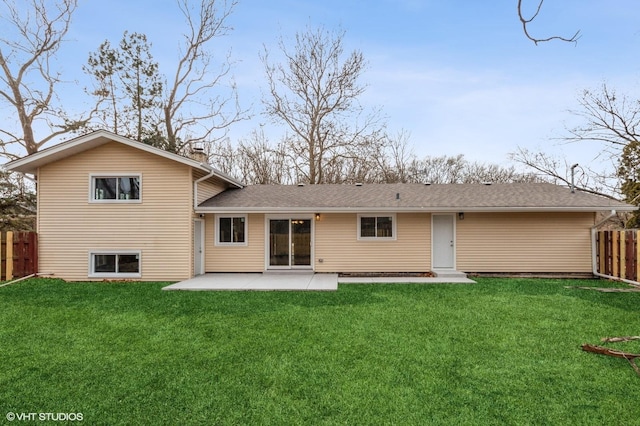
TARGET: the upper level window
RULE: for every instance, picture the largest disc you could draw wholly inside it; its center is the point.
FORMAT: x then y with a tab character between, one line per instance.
115	188
231	229
376	227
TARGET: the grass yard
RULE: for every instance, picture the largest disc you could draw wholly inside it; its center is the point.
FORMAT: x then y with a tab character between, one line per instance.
504	351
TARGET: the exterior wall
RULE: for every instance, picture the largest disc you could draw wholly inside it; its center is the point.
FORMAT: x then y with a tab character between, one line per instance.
208	188
337	244
524	242
485	242
245	258
161	226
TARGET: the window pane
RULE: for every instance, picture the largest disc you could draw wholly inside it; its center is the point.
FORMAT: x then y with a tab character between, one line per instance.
367	226
129	188
279	242
128	263
225	229
105	188
385	227
104	263
238	229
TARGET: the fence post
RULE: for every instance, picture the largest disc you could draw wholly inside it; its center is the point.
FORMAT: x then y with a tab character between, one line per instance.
637	278
9	262
615	254
601	255
623	255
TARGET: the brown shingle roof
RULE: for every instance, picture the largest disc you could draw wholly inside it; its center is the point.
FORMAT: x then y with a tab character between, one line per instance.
409	197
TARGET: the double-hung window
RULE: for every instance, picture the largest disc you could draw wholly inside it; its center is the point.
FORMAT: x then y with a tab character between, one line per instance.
115	264
376	227
116	189
231	230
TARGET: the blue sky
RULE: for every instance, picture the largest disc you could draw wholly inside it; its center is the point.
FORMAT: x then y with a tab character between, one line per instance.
458	75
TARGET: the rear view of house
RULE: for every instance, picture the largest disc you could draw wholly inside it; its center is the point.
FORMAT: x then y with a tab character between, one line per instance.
113	208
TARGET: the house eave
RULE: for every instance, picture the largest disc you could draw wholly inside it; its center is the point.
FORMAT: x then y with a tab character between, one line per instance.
369	209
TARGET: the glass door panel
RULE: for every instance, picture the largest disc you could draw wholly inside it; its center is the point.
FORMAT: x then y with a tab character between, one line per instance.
300	242
279	242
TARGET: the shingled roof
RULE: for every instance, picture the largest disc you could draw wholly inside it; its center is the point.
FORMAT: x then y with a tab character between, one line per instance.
408	197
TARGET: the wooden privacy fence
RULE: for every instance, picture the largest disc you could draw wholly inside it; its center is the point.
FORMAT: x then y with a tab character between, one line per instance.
618	254
18	254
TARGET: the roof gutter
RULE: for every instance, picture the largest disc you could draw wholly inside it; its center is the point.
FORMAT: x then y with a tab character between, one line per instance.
369	209
212	173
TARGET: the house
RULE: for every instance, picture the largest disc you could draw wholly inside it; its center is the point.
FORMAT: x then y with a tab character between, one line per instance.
113	208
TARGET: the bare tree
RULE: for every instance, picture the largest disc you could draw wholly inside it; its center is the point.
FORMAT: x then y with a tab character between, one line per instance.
315	91
262	163
609	118
613	122
457	169
196	106
526	21
396	162
558	171
32	33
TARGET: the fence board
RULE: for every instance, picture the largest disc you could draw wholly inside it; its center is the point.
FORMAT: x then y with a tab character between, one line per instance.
618	254
19	254
629	249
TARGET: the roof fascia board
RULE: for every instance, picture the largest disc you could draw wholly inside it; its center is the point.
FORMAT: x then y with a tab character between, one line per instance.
294	210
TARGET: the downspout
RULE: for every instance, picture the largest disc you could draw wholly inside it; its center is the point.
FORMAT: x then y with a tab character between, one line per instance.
594	259
196	182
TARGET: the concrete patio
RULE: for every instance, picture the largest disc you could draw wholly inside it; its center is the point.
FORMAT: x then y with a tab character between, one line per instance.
294	281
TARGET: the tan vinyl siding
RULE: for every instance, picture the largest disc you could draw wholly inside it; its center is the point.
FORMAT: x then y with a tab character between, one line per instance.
337	244
208	188
160	226
524	242
242	258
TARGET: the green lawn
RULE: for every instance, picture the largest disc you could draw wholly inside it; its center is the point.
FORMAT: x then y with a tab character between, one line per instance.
503	351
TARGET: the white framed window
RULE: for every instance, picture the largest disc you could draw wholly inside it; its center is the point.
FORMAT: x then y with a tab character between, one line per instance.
377	226
115	264
231	230
116	188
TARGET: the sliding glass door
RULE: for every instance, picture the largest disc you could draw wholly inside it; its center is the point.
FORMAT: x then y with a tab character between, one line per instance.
289	243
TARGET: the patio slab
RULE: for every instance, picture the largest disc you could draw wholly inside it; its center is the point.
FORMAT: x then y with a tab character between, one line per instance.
297	281
405	280
260	282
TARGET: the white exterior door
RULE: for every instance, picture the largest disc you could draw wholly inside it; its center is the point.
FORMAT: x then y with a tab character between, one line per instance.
443	242
198	247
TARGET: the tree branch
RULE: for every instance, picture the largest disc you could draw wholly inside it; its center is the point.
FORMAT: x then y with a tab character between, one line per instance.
525	22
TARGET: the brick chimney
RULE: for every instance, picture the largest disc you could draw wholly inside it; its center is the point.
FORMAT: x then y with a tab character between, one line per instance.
199	155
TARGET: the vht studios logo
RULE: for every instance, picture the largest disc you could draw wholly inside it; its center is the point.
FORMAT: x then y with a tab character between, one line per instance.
52	417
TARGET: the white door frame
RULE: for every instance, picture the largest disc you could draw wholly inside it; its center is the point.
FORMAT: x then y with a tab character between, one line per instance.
198	252
267	248
453	241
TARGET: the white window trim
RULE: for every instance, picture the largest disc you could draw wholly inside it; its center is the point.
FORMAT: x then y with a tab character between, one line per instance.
217	229
394	228
92	189
93	274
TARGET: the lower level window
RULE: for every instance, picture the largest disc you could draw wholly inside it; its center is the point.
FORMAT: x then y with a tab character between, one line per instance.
115	264
376	227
